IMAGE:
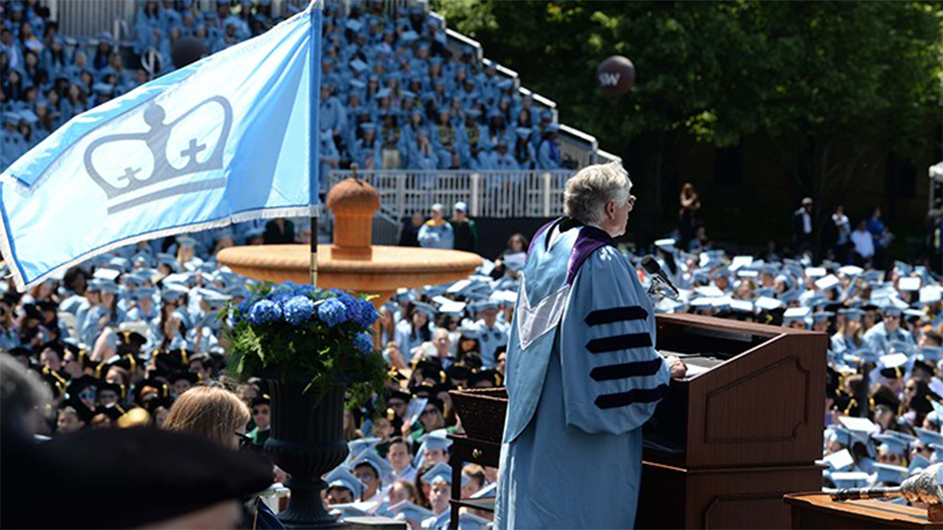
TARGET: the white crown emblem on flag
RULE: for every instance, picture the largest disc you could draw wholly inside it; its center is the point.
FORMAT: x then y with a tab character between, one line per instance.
133	187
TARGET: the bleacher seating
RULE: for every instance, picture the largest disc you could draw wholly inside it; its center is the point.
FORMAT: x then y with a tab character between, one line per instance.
395	92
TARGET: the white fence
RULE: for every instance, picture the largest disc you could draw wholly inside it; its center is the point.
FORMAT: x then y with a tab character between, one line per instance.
488	193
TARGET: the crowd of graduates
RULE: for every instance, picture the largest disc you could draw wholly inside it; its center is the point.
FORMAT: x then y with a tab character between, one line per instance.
135	329
125	334
392	94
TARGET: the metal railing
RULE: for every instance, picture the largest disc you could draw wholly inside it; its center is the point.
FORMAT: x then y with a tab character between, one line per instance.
488	193
89	18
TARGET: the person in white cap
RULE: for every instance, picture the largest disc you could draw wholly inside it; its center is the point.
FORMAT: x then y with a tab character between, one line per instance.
464	229
436	232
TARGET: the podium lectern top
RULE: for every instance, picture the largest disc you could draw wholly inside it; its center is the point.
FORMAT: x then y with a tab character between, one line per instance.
818	510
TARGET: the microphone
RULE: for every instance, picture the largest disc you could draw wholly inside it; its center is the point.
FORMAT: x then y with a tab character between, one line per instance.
660	282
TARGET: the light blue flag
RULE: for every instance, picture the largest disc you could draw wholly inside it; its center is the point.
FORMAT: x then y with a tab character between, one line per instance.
227	139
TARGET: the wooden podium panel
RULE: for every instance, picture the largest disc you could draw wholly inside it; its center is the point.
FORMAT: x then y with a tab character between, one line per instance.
672	497
757	401
818	510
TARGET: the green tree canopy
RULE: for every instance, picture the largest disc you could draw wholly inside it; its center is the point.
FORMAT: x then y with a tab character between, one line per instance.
831	83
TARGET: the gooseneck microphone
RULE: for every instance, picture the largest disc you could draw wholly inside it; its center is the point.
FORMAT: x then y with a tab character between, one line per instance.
660	282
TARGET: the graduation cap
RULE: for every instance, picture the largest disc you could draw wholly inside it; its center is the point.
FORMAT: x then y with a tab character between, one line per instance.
917	464
909	284
828	282
441	472
850	479
213	297
485	375
82	412
360	445
112	413
766	303
150	389
104	386
891	444
850	270
341	477
839	460
929	437
130	342
405	510
851	313
144	292
859	425
174	291
886	397
892	366
930	354
931	294
354	25
354	509
839	435
77	385
794	314
424	308
889	475
398	394
373	459
107	274
184	376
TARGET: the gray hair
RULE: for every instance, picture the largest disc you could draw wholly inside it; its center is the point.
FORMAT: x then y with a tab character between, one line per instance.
588	192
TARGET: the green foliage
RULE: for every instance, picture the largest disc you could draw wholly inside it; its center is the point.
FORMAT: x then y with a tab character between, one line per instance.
310	350
720	70
835	86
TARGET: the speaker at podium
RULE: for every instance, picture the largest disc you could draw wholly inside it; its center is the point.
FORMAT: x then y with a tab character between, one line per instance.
741	430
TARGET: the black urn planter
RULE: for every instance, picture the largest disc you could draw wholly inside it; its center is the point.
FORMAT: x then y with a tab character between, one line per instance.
307	441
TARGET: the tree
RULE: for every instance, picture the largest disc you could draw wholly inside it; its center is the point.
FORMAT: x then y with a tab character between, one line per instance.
834	85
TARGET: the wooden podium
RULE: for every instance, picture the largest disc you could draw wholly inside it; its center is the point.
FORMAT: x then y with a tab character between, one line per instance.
744	428
817	510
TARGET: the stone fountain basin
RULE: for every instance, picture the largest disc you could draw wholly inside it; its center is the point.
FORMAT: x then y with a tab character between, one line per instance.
388	269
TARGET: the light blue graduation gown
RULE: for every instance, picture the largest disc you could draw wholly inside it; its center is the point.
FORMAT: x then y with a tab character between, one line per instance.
879	339
582	378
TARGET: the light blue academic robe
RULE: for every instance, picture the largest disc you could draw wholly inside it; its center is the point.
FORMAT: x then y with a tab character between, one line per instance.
878	339
582	378
489	339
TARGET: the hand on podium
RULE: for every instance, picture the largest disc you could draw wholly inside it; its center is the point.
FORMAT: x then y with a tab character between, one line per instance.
677	366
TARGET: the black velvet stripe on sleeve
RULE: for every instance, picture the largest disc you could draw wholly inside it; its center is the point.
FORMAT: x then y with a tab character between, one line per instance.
636	395
616	314
621	371
619	342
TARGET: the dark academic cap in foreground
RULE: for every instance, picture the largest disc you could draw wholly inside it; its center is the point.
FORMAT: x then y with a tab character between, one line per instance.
147	475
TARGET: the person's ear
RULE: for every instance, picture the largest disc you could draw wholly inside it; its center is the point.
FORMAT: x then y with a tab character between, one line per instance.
611	209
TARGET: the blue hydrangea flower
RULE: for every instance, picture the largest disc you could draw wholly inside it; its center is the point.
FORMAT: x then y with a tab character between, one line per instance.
367	315
281	298
297	310
350	304
363	342
332	312
306	290
264	311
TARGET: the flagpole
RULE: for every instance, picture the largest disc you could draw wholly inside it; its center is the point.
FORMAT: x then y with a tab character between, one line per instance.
314	133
